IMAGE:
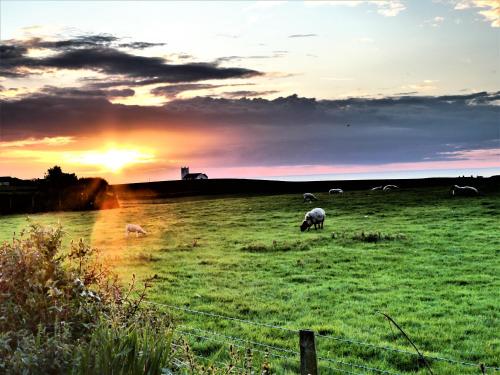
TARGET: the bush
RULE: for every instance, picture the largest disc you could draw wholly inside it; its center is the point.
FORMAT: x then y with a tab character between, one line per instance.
57	308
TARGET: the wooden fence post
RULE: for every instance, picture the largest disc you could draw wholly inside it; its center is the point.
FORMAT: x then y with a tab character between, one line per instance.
308	360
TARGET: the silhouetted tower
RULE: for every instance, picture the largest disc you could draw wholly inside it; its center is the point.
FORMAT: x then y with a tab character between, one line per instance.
184	172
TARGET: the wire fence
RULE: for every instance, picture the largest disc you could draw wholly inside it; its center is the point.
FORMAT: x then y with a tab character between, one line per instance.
287	354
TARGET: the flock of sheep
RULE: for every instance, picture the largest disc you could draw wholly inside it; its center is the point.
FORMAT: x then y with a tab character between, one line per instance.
317	215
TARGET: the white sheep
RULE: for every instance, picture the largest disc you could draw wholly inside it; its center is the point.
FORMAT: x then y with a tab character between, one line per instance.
316	216
309	197
376	188
130	228
465	191
390	187
335	191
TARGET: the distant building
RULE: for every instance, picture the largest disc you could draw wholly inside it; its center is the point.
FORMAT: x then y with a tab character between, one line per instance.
185	175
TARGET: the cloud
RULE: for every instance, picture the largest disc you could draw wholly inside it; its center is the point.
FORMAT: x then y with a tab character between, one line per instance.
282	131
77	92
171	91
247	93
302	35
386	8
434	22
94	53
389	8
490	9
46	141
275	54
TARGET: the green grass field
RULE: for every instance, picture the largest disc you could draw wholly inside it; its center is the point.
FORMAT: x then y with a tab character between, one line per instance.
436	271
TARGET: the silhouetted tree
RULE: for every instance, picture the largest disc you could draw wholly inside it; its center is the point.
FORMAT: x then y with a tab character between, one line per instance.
55	177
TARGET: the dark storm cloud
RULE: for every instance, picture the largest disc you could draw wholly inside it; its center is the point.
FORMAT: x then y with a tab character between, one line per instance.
171	91
96	53
77	92
283	131
83	41
140	45
302	35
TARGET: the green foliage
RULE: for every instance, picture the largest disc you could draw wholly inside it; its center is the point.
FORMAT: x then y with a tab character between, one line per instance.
136	348
62	311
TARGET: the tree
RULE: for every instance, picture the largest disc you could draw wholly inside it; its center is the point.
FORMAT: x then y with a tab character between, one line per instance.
57	178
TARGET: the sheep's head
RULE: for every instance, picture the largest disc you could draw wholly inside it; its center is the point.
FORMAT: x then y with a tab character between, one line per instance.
305	224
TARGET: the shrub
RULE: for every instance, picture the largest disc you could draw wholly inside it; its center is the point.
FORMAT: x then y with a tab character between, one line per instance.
57	308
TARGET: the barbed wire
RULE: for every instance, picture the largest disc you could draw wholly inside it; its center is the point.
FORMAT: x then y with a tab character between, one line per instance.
207	359
239	346
343	363
402	351
342	339
242	340
223	317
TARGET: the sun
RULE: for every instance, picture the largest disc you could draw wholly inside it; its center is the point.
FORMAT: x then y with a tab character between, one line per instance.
112	160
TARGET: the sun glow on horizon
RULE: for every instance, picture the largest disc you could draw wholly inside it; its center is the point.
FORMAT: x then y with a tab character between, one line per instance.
112	160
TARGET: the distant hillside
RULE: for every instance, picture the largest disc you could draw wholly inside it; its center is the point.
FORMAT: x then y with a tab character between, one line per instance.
165	189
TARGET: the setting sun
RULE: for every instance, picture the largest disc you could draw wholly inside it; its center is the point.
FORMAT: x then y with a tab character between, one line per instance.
112	160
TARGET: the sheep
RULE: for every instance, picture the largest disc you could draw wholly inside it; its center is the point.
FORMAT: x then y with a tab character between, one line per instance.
134	228
309	197
390	187
376	188
316	216
465	191
335	191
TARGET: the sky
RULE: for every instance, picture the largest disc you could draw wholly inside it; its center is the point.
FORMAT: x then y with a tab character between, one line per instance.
294	90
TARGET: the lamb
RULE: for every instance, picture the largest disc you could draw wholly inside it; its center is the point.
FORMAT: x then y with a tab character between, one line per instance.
316	216
390	187
465	191
309	197
335	191
134	228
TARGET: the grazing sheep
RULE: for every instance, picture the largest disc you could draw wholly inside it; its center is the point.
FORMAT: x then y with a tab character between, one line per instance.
309	197
335	191
390	187
464	191
316	216
376	188
134	228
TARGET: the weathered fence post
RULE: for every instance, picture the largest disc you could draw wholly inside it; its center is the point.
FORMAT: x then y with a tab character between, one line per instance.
308	360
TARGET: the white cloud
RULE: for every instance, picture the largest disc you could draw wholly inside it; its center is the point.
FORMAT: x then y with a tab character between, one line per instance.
434	22
490	9
389	8
386	8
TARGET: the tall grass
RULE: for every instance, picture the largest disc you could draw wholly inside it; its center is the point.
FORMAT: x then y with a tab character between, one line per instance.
121	350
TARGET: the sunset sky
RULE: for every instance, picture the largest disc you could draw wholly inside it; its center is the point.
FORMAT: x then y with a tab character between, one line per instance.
132	91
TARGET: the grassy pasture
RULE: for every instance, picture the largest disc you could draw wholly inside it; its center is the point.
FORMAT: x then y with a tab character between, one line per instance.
429	261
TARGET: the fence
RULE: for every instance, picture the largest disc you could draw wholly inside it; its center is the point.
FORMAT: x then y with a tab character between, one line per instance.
306	358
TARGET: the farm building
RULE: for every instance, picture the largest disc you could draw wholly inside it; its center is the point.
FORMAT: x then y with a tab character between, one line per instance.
185	175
